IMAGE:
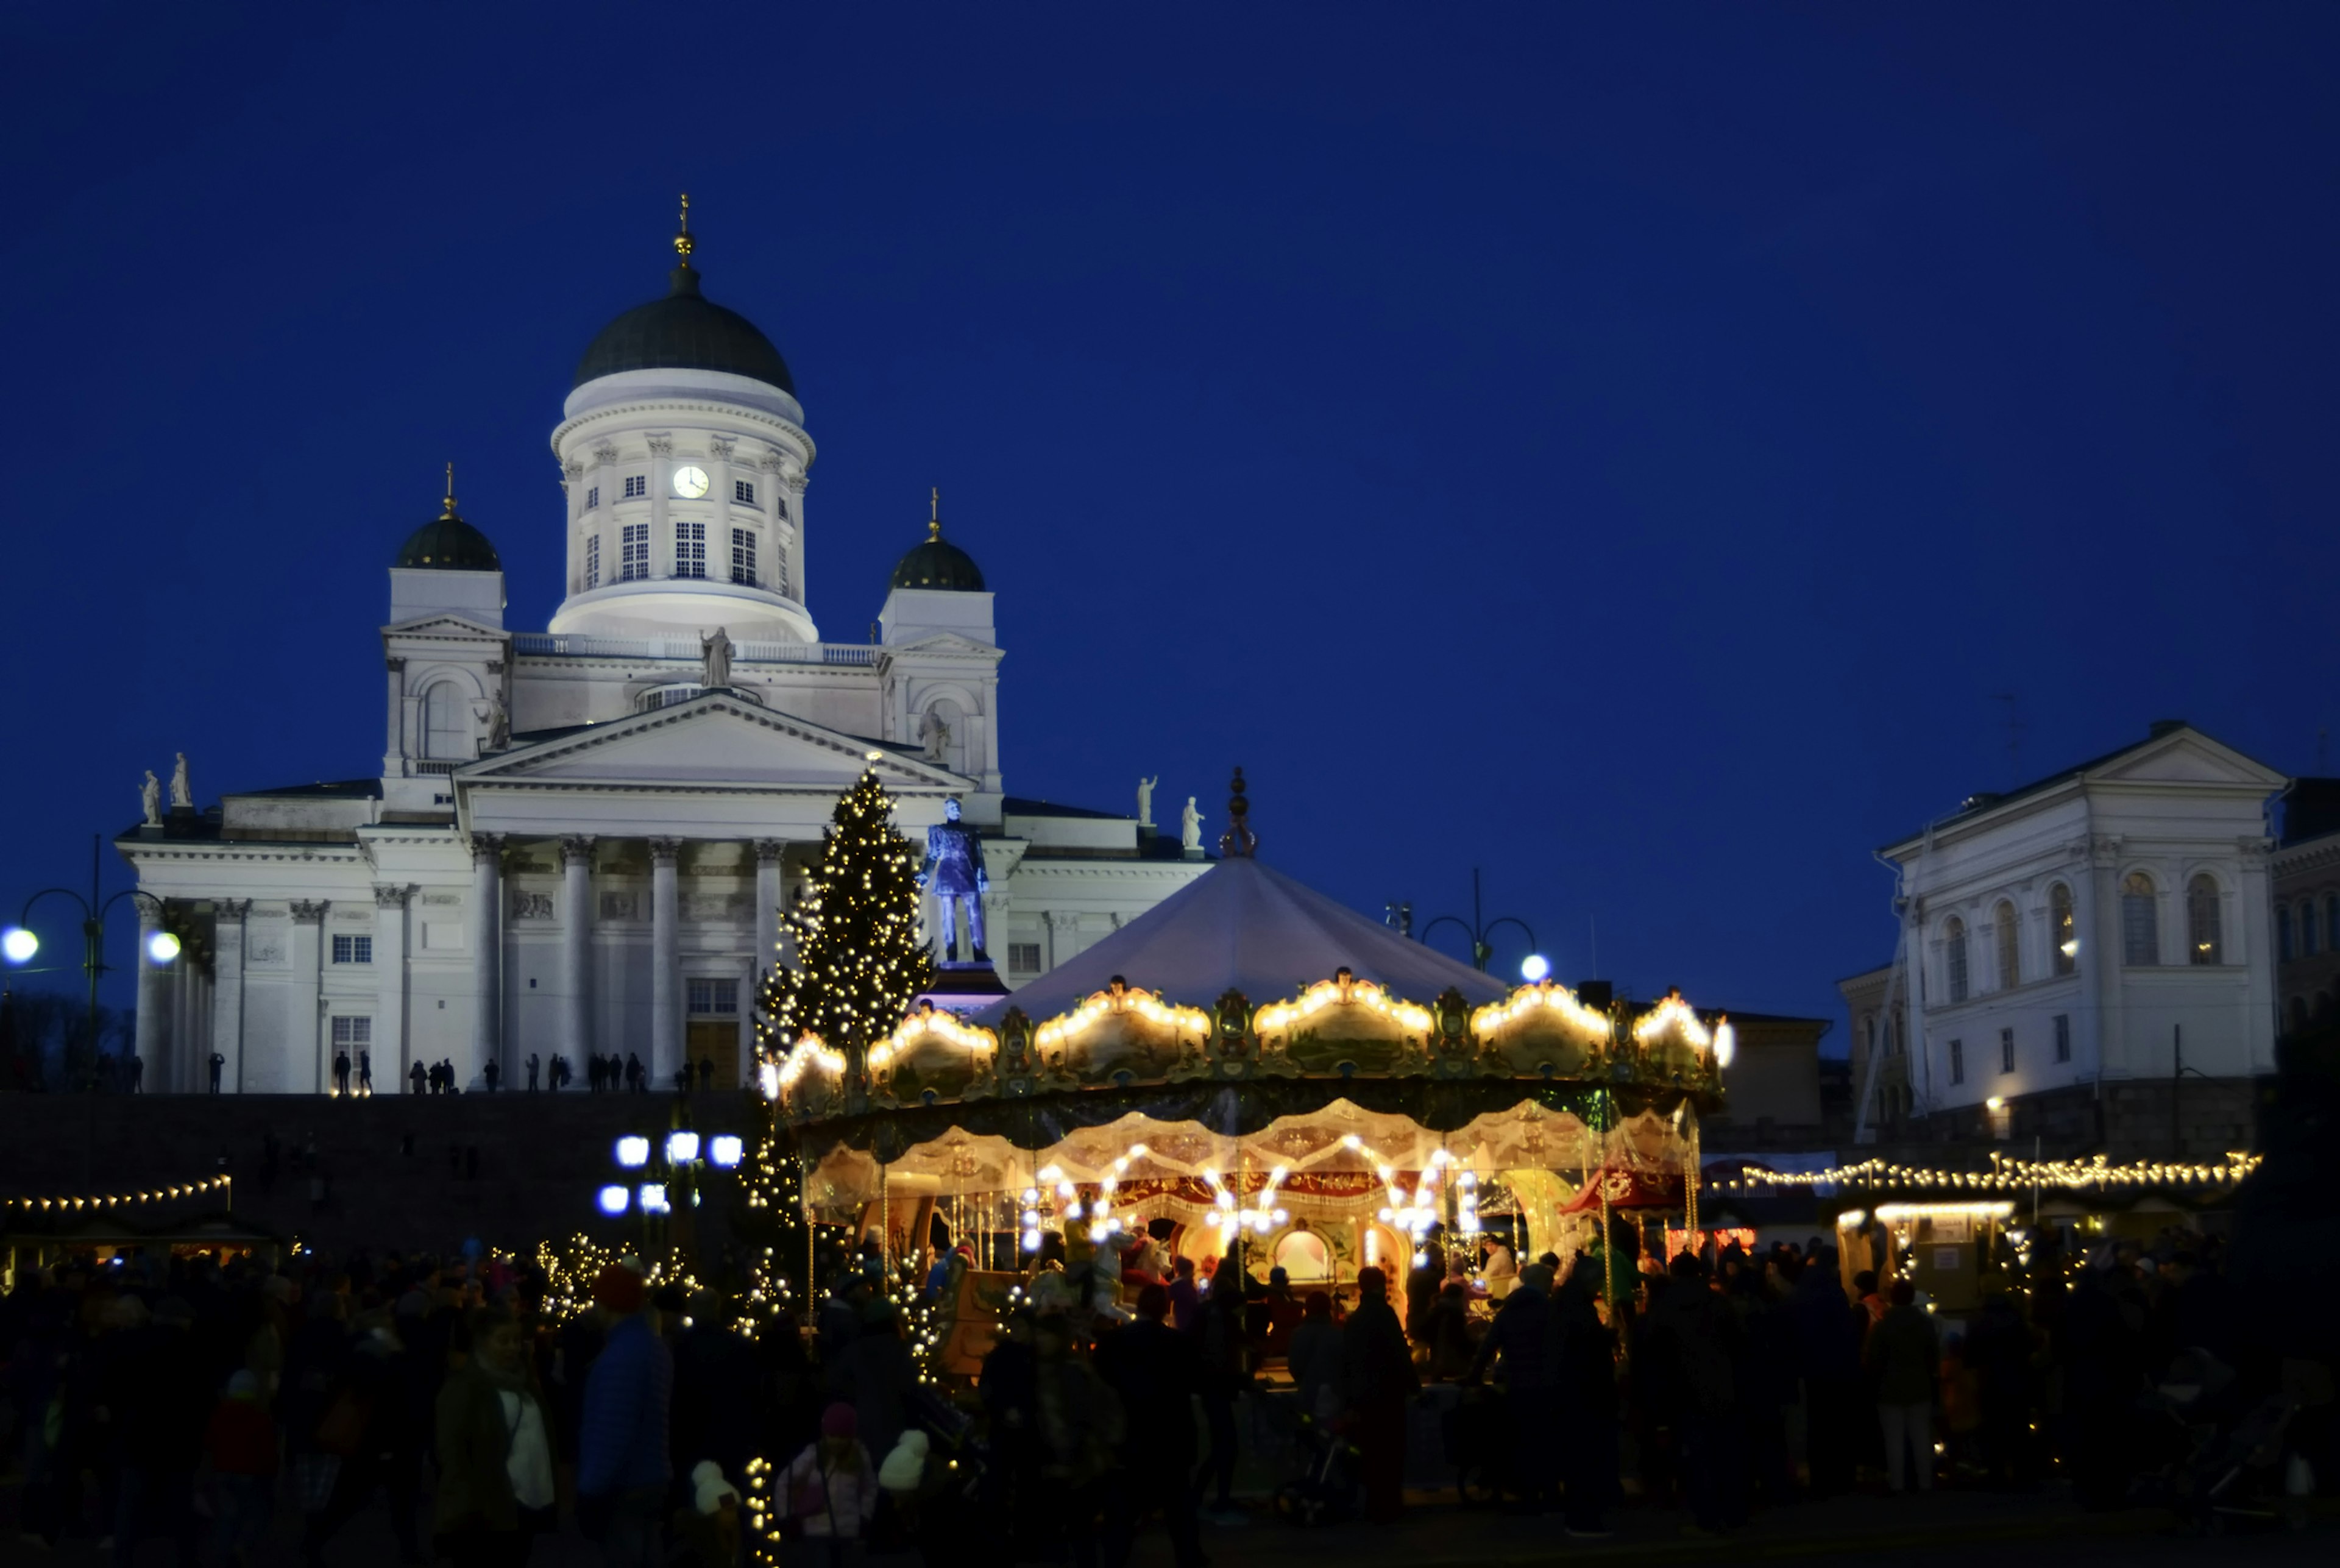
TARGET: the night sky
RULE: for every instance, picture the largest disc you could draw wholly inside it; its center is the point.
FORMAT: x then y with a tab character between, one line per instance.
1623	449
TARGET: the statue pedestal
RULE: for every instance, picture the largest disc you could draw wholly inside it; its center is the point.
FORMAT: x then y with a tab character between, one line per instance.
961	988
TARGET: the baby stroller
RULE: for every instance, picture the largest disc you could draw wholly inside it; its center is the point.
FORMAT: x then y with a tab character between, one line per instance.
2233	1450
1325	1491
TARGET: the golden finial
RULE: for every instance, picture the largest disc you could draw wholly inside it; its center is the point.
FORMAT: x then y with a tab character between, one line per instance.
682	235
451	491
934	521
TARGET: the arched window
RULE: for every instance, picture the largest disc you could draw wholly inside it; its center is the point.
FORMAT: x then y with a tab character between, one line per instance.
2063	931
2204	937
2006	932
2140	921
2308	945
447	724
1954	952
2282	948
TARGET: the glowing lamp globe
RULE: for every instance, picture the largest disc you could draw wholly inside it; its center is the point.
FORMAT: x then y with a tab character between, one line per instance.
681	1146
725	1149
613	1200
633	1151
162	947
18	945
1535	969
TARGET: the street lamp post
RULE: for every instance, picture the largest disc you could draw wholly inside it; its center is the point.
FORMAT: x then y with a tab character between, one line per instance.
1479	929
20	944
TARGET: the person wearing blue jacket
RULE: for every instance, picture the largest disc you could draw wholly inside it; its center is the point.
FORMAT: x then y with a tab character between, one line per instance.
621	1445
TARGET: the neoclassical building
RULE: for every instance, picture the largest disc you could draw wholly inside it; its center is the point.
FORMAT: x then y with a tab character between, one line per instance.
580	840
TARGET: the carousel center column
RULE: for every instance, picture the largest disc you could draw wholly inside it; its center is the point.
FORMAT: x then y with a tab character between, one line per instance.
487	951
665	963
576	946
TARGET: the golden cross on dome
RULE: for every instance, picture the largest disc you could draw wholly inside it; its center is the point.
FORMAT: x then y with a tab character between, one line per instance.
682	246
935	522
451	489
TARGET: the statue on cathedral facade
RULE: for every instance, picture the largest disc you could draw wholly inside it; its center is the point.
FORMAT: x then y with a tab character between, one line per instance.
183	797
1190	827
1146	800
150	799
955	866
716	650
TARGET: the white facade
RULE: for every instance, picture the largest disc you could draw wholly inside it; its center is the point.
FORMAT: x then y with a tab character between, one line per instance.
573	847
2107	924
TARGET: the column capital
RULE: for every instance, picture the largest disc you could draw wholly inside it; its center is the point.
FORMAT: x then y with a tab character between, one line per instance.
575	847
395	664
665	850
770	851
485	846
603	452
230	908
305	911
393	895
661	446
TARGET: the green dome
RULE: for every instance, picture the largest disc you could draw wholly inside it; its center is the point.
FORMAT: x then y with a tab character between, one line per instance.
938	564
448	543
685	331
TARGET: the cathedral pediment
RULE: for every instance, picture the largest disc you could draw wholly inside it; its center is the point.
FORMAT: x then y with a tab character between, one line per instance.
439	624
713	741
2186	756
947	643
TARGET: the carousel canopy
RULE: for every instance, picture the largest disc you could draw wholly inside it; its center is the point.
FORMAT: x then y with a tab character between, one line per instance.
1242	926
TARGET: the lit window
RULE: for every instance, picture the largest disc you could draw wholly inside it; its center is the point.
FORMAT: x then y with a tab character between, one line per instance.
353	949
743	491
743	556
447	724
593	562
2010	961
1954	948
1024	958
1958	1061
2007	1050
2064	933
2140	921
2062	1036
2308	945
593	497
2204	937
691	549
633	552
636	485
350	1034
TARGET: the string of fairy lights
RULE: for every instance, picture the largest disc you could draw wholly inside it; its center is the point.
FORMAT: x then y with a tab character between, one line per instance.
69	1203
2006	1174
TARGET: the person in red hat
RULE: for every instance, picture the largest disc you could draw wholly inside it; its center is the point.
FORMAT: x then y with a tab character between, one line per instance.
621	1450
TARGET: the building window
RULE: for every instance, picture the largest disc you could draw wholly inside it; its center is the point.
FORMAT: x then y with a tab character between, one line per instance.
1958	1061
743	491
781	572
593	497
715	998
633	552
1024	958
353	949
352	1033
691	549
2140	921
637	486
743	556
780	505
2063	931
447	724
2308	945
2008	933
2007	1050
2063	1022
2205	939
1954	948
593	564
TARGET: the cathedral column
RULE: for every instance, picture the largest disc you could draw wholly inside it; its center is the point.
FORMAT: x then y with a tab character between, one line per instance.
487	951
718	564
576	946
661	530
227	998
309	991
152	1040
390	1042
665	963
763	951
394	757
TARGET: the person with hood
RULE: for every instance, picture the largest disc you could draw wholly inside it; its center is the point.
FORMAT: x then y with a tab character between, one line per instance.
1522	1346
1151	1369
1447	1332
829	1492
1313	1358
495	1451
1223	1376
1903	1357
1695	1341
1377	1380
623	1467
1829	1329
1585	1386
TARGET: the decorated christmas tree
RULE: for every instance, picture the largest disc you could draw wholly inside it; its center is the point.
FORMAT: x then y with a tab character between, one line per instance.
860	957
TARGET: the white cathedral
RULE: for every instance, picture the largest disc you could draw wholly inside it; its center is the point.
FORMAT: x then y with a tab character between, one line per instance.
581	839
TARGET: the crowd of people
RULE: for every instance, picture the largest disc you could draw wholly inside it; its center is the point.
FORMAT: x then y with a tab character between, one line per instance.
198	1401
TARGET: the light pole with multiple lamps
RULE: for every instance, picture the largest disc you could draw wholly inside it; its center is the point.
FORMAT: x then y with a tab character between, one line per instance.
1532	969
662	1172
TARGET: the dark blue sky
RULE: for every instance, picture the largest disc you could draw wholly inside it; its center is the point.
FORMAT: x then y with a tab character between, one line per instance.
1622	448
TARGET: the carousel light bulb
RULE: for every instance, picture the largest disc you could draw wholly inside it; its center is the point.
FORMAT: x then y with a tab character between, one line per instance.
1065	1189
1031	1216
1031	1241
1387	1214
1113	1226
1137	1151
1031	1194
1280	1216
1352	1141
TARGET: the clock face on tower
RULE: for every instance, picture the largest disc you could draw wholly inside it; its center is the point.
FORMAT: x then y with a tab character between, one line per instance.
689	482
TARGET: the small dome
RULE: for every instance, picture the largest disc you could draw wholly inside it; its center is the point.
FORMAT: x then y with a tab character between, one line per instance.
448	543
685	331
937	563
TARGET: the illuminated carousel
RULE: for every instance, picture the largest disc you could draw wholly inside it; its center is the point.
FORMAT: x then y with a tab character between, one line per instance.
1254	1060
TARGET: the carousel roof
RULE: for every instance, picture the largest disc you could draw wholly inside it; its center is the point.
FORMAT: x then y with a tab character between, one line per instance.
1243	927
